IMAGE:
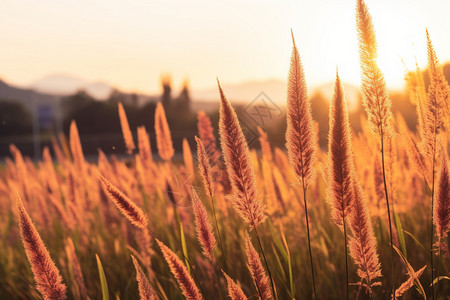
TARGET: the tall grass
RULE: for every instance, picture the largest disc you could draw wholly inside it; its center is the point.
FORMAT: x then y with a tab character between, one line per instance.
286	220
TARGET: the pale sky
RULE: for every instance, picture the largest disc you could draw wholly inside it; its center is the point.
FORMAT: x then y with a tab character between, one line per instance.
131	43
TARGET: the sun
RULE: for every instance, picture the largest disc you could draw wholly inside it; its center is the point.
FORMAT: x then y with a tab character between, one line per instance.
400	38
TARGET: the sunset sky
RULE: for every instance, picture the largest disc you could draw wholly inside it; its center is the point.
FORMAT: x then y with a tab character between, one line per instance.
131	43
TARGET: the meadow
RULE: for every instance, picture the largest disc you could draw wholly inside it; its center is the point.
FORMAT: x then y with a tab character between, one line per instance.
366	218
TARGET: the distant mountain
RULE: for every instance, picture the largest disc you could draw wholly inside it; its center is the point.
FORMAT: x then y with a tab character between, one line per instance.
275	89
64	85
27	97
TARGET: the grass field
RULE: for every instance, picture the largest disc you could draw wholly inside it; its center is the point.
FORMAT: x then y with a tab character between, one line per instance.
368	216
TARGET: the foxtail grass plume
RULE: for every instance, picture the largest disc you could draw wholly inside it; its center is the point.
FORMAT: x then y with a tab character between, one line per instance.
239	166
146	291
163	137
187	157
57	150
340	165
340	158
374	92
418	95
405	286
126	206
76	269
75	147
265	145
205	234
234	290
438	98
362	243
46	274
300	138
441	212
415	158
127	135
206	133
260	279
204	168
180	272
145	150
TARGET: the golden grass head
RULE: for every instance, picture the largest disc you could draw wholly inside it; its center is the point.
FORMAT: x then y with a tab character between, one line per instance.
204	168
340	158
126	206
187	157
76	148
206	133
257	271
441	214
362	243
146	291
205	234
163	136
239	166
145	150
127	135
405	286
300	137
437	108
234	290
46	274
76	269
374	92
180	272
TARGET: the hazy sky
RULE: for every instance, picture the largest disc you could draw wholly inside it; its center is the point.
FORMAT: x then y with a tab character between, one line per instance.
131	43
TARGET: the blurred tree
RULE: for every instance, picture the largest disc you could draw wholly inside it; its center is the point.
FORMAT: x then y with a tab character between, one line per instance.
76	101
166	83
184	100
14	118
117	96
